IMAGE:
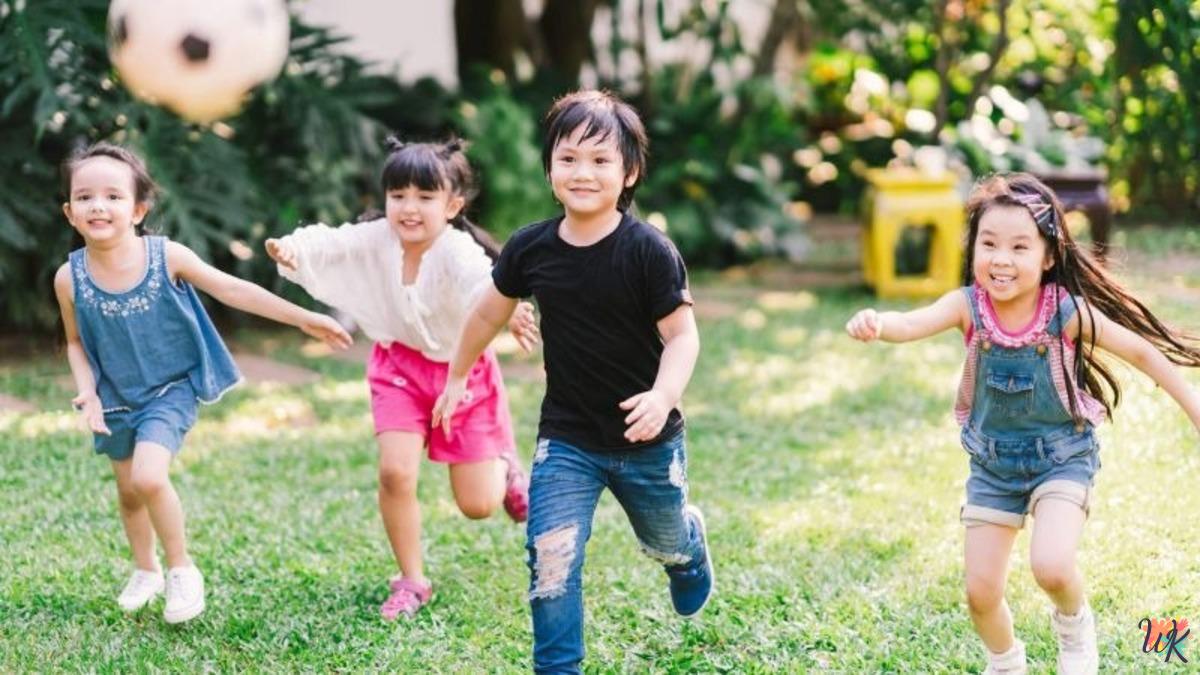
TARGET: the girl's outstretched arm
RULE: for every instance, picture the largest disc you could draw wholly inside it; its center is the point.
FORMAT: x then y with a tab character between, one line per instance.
947	312
252	298
87	401
1137	351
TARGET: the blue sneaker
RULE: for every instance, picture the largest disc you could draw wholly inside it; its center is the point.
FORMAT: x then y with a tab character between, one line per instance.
692	585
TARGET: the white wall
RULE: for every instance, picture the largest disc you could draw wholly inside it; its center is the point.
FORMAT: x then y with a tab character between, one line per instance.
417	36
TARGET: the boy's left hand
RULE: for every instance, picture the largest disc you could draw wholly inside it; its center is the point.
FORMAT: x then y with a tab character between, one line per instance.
523	327
649	413
327	330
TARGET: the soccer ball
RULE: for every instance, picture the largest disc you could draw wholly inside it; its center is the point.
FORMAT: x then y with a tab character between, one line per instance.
198	57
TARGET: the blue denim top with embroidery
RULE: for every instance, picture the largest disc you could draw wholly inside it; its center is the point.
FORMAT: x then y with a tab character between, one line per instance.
1015	388
142	341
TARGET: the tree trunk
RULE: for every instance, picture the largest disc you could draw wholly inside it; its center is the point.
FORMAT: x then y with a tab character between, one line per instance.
488	33
941	65
785	18
996	54
566	33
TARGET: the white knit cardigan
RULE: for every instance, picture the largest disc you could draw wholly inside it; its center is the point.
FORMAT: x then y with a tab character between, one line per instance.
358	268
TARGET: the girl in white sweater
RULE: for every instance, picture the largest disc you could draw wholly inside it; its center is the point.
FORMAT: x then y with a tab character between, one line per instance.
408	280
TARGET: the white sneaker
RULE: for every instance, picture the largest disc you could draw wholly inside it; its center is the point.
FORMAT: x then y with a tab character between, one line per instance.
185	594
1077	651
1011	662
143	586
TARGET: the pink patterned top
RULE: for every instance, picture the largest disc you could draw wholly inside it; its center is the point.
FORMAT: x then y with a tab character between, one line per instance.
988	333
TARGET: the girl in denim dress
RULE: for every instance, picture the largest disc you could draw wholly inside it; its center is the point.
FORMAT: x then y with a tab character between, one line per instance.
143	353
1035	308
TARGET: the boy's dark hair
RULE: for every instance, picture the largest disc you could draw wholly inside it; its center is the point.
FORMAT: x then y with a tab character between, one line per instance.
437	166
1082	277
601	114
145	190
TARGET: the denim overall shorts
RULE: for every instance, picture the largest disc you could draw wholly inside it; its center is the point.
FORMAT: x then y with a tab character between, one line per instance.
1024	444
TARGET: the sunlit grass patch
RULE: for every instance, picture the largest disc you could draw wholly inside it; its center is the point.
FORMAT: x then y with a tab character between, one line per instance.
830	473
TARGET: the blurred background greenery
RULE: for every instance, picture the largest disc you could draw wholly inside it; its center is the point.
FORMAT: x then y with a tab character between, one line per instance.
747	139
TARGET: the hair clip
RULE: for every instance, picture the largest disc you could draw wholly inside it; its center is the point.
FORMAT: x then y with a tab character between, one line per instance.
1043	213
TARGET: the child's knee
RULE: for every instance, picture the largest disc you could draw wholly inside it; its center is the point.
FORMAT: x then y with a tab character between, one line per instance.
149	483
553	557
128	498
984	594
475	507
1052	573
397	480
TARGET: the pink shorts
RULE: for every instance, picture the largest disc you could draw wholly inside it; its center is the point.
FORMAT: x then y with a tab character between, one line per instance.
405	385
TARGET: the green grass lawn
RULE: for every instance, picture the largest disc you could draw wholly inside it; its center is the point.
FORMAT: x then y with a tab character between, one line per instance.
829	471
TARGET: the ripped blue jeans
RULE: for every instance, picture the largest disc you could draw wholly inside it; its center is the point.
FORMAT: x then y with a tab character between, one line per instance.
650	483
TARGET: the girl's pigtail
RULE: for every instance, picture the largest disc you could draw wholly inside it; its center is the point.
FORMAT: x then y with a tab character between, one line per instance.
454	150
393	144
481	236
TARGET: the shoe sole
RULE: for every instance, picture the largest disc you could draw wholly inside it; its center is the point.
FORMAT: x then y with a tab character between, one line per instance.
130	609
712	572
185	614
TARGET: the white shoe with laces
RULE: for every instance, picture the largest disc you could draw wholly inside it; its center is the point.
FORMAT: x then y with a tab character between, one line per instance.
1077	650
1011	662
143	586
185	594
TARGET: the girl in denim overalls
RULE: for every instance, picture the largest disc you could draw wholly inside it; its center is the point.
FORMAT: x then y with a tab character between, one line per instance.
1031	395
143	352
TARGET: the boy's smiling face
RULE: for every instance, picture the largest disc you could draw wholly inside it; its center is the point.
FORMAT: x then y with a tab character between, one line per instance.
588	175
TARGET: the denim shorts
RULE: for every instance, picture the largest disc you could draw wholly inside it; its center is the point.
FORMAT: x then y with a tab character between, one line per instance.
164	420
1009	476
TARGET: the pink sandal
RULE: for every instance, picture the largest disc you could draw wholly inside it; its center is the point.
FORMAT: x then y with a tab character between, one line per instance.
516	491
407	598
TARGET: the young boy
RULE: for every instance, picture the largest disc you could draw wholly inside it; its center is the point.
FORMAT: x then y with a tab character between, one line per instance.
620	345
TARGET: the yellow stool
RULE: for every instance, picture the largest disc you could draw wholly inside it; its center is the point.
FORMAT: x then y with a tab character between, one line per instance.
913	241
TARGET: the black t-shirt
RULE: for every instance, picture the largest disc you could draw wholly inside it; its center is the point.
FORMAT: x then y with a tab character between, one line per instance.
600	305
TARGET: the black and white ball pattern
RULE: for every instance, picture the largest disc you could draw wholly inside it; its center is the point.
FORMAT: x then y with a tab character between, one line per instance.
198	57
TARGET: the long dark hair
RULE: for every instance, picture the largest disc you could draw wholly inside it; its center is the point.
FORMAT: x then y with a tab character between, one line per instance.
145	190
437	166
1083	277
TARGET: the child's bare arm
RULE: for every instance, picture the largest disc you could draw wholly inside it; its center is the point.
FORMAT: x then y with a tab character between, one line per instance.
488	316
1137	351
949	311
86	401
681	345
252	298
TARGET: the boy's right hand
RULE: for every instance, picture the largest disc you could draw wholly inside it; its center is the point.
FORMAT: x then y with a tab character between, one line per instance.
866	325
92	412
447	402
282	253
